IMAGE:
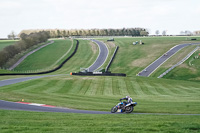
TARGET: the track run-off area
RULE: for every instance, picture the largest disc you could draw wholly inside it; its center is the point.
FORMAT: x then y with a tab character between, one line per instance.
19	106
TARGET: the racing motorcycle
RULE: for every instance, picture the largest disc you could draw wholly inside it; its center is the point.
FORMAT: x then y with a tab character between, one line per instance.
129	107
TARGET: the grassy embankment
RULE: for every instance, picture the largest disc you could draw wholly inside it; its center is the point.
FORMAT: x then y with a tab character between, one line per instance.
47	57
12	61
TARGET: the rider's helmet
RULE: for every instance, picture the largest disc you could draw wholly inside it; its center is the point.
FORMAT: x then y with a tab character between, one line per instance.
127	96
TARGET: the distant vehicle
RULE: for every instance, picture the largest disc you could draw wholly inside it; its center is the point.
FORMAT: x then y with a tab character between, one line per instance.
129	107
165	54
111	39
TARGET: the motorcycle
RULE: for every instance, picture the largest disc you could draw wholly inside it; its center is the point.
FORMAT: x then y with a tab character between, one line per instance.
129	107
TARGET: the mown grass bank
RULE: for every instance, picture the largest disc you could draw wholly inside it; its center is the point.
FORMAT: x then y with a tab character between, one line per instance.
21	121
47	57
102	93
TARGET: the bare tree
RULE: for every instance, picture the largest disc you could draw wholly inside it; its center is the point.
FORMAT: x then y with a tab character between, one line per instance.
157	32
12	35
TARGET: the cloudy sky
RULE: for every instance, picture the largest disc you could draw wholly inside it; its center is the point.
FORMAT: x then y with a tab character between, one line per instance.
171	15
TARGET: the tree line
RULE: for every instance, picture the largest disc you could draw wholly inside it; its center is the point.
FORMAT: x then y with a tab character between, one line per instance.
27	41
57	33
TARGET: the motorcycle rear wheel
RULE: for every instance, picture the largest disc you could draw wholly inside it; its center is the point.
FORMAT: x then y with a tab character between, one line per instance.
129	109
114	109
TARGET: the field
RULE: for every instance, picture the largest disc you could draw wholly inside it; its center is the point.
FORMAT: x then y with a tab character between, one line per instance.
101	93
4	43
23	122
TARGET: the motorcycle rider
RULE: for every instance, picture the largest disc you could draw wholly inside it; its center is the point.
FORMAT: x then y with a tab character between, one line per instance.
128	100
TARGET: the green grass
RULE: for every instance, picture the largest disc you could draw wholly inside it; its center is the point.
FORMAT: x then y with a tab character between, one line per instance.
46	58
31	122
4	43
101	93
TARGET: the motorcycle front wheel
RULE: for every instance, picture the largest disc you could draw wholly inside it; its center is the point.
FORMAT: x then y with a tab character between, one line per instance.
114	109
129	109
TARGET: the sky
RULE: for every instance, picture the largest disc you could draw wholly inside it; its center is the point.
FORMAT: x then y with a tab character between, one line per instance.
170	15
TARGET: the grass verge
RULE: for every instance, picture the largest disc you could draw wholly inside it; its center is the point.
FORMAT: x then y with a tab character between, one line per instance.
21	121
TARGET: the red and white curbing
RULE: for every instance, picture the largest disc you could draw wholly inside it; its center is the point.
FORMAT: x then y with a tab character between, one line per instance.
36	104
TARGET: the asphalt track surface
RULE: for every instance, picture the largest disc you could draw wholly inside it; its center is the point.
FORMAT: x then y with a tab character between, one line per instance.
18	80
152	67
5	105
25	56
103	54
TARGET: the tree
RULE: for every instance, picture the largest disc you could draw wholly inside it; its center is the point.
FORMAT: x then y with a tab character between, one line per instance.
164	32
12	35
157	32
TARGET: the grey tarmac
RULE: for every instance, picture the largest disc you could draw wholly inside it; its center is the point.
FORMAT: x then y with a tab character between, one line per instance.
5	105
103	53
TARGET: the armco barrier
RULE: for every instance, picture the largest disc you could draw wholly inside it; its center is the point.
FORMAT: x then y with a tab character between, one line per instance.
45	72
99	74
108	66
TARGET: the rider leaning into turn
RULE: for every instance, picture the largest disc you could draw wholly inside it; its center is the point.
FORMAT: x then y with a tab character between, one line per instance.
128	100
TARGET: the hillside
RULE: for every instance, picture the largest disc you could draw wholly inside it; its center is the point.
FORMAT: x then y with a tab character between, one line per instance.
131	59
48	57
4	43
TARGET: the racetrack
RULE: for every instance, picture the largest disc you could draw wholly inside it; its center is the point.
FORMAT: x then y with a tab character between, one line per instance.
152	67
18	106
103	54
